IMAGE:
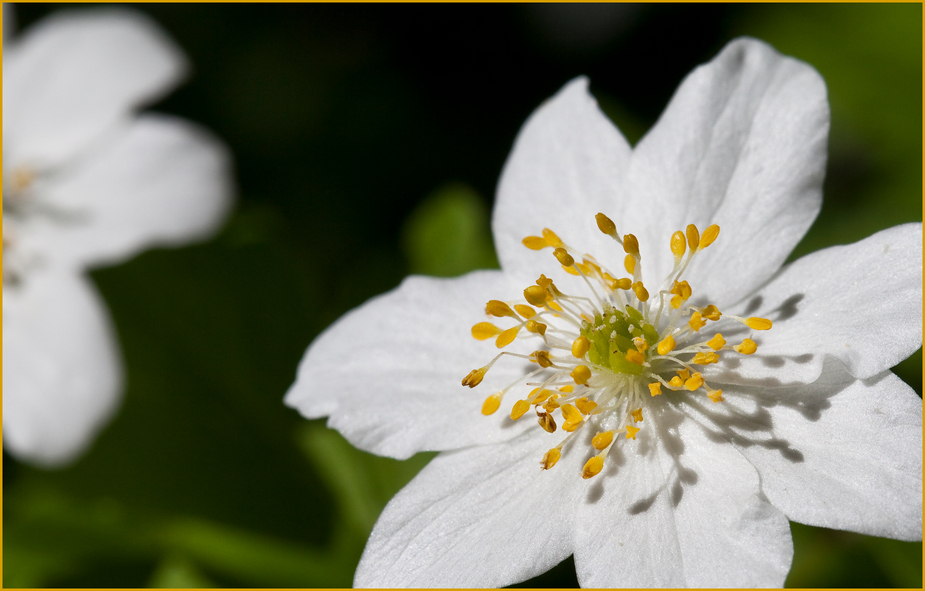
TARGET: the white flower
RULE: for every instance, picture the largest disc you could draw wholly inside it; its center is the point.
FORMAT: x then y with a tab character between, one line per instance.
679	455
87	181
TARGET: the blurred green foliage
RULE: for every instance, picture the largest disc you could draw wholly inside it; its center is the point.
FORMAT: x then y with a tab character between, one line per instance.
368	142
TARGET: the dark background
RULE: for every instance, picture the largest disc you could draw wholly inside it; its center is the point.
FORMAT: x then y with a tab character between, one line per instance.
357	130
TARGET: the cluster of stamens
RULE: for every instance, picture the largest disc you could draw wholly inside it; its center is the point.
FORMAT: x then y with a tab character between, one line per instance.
608	354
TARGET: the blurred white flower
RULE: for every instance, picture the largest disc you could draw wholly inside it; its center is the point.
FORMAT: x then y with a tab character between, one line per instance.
87	181
692	392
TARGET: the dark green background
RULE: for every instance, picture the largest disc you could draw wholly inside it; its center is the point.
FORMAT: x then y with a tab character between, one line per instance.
368	140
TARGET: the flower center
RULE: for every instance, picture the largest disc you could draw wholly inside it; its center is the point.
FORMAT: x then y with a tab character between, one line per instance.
608	356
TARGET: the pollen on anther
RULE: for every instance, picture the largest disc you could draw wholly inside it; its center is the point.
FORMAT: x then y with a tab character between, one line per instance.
564	258
634	356
717	342
536	327
585	406
758	323
637	415
536	295
592	467
694	382
630	244
499	309
711	312
551	238
542	358
491	404
602	440
550	458
655	388
580	347
715	395
547	422
696	322
667	345
631	432
641	292
581	374
484	330
747	347
474	377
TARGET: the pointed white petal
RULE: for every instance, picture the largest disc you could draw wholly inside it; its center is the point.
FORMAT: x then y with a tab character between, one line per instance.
161	181
389	372
62	371
487	516
742	144
75	74
677	508
839	453
860	303
565	167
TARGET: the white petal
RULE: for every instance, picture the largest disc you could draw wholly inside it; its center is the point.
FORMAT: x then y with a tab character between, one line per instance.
481	517
388	373
62	371
742	144
839	453
162	181
75	74
860	303
565	167
676	508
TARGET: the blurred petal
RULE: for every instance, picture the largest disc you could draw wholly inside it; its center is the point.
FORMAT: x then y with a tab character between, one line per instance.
565	167
388	373
162	181
839	453
62	372
75	74
479	517
860	303
674	508
742	144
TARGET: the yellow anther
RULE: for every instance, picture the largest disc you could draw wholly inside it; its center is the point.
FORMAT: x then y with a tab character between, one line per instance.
520	407
637	415
507	337
655	388
499	309
636	357
758	323
542	357
705	358
640	343
678	245
581	346
541	395
571	414
567	389
550	458
571	270
484	330
717	342
570	425
535	242
590	265
525	310
547	422
474	377
583	268
747	347
551	238
536	295
551	404
554	306
694	382
711	312
602	440
592	467
585	406
491	404
667	345
715	395
536	327
696	322
581	374
641	293
629	263
682	288
693	236
563	257
606	225
676	301
709	235
676	382
624	284
544	282
631	432
630	244
684	373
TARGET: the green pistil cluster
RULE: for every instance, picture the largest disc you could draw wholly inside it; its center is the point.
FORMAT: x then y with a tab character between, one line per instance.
611	335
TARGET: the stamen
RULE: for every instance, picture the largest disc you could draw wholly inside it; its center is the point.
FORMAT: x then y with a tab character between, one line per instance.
747	347
550	458
593	467
491	404
551	238
709	235
631	432
507	337
581	375
525	311
580	347
535	242
499	309
758	323
666	346
564	258
637	415
693	237
678	246
655	388
602	441
484	330
520	407
717	342
606	225
536	295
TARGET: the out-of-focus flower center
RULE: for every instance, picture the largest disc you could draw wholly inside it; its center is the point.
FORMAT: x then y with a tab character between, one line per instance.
610	352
